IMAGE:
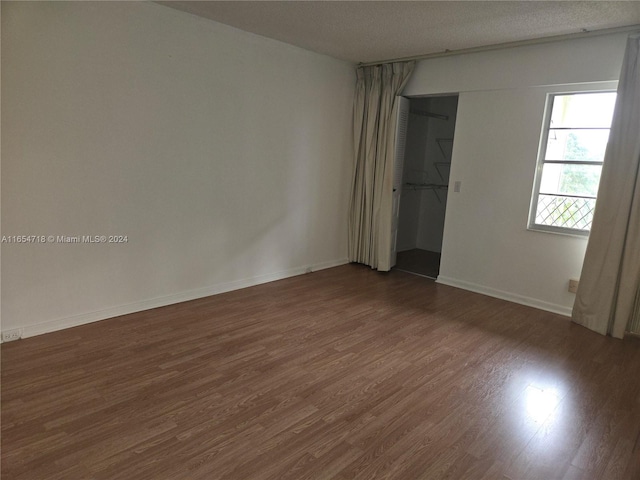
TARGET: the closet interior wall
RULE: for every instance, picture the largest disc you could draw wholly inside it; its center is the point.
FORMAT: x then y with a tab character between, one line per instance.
426	173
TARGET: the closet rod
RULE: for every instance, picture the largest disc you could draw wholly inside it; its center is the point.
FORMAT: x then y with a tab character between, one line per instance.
429	114
426	186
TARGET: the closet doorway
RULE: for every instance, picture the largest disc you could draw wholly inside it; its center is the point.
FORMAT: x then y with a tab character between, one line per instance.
425	183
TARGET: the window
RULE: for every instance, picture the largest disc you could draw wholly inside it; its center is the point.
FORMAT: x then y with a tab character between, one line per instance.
570	161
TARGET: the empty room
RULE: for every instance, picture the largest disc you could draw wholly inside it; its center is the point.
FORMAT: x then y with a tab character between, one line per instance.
250	240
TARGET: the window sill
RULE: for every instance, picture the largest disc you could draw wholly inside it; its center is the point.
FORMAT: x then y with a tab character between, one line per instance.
559	231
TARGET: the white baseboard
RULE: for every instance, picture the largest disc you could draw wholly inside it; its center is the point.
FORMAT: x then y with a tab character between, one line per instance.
82	319
330	264
511	297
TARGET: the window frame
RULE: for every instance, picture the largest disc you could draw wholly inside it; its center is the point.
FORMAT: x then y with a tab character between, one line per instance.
540	162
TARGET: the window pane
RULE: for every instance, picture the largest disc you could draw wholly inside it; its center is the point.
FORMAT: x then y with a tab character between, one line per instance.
568	179
570	164
567	212
587	110
582	145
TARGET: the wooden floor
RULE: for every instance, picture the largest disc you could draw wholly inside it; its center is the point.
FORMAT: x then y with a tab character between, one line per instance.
344	374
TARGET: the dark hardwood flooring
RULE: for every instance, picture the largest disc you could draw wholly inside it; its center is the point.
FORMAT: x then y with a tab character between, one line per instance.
341	374
422	262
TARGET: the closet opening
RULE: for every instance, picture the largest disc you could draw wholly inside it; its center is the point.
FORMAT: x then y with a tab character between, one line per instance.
425	183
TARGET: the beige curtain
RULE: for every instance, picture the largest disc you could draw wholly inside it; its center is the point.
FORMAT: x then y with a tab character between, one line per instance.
634	322
375	118
611	272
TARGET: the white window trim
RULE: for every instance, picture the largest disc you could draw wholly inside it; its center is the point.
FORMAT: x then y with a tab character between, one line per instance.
542	150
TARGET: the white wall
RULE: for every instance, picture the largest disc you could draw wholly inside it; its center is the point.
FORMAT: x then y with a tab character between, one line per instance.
224	157
487	247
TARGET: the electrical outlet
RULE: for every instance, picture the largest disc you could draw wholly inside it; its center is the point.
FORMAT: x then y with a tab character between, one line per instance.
11	335
573	285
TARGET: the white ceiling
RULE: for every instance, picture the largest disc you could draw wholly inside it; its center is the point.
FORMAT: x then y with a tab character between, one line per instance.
367	31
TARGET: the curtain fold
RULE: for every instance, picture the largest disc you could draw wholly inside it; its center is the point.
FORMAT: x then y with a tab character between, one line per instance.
375	118
611	271
634	321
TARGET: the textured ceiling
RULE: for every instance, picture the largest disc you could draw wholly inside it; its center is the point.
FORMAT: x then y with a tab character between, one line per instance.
367	31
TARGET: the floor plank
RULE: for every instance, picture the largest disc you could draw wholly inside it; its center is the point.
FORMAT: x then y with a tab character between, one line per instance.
341	374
